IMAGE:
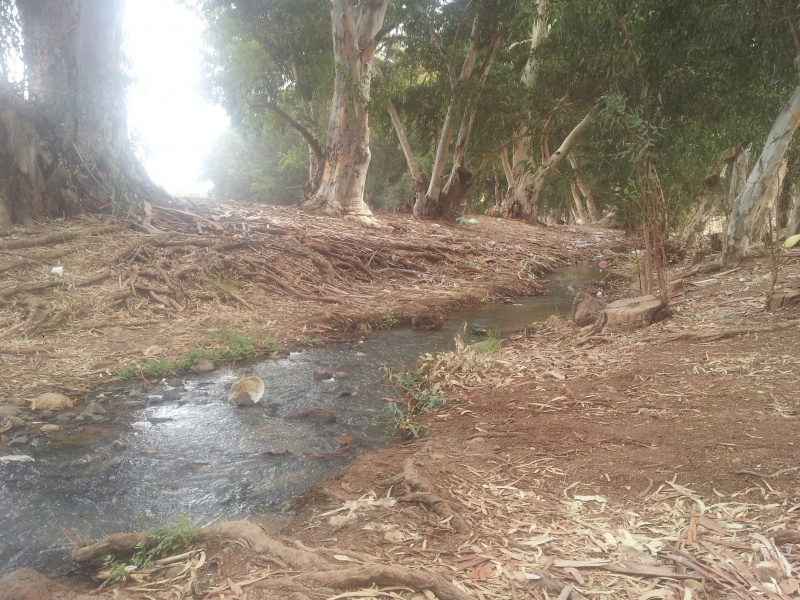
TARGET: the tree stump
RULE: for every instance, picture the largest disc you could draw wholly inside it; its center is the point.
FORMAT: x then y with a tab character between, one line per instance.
784	299
586	309
630	313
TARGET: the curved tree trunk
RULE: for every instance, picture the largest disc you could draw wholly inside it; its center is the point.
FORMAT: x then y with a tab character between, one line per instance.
751	203
585	190
67	142
347	154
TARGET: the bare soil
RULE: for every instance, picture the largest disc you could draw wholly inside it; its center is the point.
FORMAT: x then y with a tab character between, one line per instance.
657	463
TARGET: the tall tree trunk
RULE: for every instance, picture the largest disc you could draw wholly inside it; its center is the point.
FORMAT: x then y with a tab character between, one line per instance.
580	212
751	203
585	190
411	160
67	142
347	154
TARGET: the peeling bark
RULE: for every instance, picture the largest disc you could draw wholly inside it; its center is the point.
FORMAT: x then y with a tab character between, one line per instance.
751	203
347	153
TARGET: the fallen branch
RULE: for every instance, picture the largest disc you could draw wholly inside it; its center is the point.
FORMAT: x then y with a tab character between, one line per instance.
56	238
713	336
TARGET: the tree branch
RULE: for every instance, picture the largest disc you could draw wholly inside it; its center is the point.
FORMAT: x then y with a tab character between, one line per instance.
307	135
545	146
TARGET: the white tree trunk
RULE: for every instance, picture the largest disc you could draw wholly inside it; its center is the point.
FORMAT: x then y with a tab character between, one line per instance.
411	161
347	154
586	191
793	228
580	211
752	201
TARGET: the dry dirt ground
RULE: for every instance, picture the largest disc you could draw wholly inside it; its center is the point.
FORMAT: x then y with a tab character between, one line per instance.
659	463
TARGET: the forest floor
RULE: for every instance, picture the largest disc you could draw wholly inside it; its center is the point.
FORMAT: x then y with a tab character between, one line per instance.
657	463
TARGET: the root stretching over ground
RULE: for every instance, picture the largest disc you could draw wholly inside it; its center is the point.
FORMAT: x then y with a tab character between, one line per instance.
421	491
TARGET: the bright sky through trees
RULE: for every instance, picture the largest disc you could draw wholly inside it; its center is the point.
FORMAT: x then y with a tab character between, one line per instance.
175	126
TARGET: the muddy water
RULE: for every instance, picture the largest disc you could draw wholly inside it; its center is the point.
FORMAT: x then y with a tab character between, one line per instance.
209	461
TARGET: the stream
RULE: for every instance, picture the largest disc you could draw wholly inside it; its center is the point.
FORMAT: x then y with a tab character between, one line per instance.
210	461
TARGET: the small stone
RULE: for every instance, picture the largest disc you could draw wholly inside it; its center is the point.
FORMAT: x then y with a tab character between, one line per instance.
50	427
247	391
175	381
203	366
98	418
64	419
16	422
46	414
133	404
94	409
51	402
340	375
80	419
318	415
20	440
9	411
118	445
323	374
171	396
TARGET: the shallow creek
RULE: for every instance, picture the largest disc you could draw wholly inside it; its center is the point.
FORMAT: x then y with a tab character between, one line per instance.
210	461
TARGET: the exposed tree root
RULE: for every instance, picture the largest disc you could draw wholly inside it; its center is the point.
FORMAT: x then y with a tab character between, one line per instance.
318	571
56	238
421	491
120	544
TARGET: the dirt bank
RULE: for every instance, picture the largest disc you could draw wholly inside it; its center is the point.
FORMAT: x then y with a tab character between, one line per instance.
275	275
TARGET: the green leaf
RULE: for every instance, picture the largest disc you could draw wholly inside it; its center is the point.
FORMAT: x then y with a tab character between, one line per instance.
791	241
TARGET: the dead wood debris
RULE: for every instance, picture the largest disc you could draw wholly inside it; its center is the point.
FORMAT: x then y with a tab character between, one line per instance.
269	271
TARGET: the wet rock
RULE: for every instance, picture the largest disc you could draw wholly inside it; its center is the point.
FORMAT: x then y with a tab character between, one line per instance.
133	403
80	419
340	375
94	409
246	392
320	374
175	381
46	414
16	422
631	313
52	402
142	425
118	445
27	584
171	396
586	309
49	428
64	419
9	411
427	319
98	418
203	366
20	440
317	415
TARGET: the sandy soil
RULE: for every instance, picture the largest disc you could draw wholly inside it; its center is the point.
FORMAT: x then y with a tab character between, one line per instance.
657	463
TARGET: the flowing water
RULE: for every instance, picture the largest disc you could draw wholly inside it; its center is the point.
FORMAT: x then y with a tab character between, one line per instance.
209	461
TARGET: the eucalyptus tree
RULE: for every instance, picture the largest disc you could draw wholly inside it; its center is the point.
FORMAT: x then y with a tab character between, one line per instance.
299	60
63	129
447	81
